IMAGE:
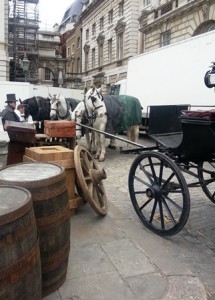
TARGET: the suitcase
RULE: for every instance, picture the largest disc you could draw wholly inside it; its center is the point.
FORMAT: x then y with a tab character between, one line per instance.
20	131
60	128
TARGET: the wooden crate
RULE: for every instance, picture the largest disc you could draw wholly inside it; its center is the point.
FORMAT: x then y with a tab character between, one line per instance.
60	128
63	157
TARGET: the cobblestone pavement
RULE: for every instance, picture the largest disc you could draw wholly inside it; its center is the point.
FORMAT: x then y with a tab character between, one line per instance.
194	246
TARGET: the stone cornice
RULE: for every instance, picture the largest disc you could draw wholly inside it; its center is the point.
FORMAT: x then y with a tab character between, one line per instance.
163	19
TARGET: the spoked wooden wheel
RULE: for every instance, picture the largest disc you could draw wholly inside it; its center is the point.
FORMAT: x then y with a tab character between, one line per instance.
159	193
206	174
89	180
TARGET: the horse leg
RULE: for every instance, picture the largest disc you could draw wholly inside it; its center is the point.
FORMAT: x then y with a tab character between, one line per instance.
102	147
112	144
132	134
135	131
98	145
93	142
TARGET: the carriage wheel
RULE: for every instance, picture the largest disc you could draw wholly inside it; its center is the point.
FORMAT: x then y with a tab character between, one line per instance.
159	193
89	180
206	174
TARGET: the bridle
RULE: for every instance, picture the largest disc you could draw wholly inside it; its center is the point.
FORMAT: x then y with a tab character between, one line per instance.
92	117
57	114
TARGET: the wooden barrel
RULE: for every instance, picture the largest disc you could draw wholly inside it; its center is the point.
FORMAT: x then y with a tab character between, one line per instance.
47	184
20	264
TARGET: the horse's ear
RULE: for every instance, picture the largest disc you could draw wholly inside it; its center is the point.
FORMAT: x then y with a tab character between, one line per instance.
99	90
50	96
20	101
58	96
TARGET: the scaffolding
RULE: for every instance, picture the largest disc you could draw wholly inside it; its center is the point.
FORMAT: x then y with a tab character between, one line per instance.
23	40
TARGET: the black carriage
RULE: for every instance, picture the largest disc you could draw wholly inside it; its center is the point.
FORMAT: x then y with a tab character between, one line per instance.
185	145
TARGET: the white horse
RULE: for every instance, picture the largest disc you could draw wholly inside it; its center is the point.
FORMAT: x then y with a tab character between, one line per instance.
78	115
60	108
100	116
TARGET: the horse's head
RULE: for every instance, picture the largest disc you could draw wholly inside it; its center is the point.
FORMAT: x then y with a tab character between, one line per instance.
60	109
94	100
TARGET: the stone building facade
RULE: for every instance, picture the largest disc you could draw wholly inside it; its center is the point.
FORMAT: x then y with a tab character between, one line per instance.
109	39
71	49
166	22
4	60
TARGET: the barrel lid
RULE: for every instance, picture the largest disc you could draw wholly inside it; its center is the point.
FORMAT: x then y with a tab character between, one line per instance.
29	172
14	203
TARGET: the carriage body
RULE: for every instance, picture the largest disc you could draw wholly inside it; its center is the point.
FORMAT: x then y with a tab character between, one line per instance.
159	180
188	135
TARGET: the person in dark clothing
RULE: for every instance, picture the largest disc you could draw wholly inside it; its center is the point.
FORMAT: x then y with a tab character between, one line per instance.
8	112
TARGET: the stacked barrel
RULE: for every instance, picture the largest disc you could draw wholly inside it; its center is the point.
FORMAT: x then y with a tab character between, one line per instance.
34	203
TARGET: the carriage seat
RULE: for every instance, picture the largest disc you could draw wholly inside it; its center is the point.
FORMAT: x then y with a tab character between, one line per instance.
164	126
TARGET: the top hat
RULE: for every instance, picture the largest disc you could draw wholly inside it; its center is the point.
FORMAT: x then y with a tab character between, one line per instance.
11	98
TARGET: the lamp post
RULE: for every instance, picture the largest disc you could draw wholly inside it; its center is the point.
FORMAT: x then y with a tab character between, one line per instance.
25	66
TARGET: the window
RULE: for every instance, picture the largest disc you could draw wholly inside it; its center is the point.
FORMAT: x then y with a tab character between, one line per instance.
110	17
73	48
94	29
101	24
73	18
110	49
120	38
87	34
100	49
78	65
47	74
68	52
86	61
146	2
93	58
165	38
78	42
121	8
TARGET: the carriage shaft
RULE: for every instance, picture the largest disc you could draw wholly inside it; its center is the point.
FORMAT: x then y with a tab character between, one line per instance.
116	137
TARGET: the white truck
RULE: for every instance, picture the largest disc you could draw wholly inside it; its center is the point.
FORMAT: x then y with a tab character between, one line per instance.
24	90
173	74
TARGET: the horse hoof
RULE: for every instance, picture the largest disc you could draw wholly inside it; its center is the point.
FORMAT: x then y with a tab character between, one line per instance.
111	147
101	159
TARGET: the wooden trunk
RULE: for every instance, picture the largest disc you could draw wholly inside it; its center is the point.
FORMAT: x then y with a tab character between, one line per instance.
47	184
20	263
60	128
20	131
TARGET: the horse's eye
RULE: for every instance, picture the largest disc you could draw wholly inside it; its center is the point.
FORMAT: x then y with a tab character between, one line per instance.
93	98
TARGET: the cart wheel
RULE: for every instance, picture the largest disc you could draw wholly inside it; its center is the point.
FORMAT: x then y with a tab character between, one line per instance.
206	174
159	193
89	180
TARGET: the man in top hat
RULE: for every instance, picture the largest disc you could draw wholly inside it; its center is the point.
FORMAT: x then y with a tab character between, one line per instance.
8	113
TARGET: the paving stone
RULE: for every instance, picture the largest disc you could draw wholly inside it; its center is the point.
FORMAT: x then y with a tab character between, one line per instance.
185	288
106	286
87	260
127	257
149	286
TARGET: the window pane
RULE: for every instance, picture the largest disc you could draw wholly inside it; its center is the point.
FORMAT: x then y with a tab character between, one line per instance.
165	38
110	50
121	8
110	17
93	58
120	46
100	54
47	74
